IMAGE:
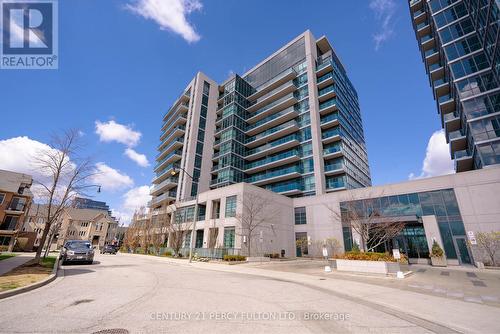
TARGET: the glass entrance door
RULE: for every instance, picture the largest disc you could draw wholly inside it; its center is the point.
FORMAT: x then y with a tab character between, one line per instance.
462	250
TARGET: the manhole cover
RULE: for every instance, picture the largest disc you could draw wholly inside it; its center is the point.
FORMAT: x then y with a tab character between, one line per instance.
112	331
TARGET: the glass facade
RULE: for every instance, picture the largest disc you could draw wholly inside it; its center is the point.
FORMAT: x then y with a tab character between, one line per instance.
231	206
263	130
441	203
459	44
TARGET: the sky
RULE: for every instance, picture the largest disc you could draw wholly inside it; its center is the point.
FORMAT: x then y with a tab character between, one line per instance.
122	64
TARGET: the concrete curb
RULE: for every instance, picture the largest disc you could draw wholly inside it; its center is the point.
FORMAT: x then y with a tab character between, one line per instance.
33	286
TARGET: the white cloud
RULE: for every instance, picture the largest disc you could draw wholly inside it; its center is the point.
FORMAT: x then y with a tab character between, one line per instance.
384	11
112	131
17	155
437	159
135	198
111	179
169	15
132	201
139	158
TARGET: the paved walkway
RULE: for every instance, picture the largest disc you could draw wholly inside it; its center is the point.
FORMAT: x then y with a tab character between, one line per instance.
469	284
455	314
14	262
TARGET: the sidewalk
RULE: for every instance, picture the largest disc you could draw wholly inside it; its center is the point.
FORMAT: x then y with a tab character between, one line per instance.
452	313
14	262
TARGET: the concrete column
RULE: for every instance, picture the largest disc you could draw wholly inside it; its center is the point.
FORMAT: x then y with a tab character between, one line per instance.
317	146
432	231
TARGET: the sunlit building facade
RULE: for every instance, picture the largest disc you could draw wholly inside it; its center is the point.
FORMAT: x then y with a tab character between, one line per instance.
458	40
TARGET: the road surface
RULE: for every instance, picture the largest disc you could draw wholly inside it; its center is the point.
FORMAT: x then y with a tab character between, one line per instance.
139	294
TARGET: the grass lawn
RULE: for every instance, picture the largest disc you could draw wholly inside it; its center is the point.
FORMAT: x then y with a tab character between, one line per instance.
6	256
28	273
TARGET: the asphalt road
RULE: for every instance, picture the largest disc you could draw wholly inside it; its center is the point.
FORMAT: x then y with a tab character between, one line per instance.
143	295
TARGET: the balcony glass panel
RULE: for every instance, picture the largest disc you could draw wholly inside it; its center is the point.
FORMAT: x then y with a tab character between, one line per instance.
456	134
444	98
271	105
327	103
330	133
325	77
326	90
330	117
272	144
461	154
434	67
271	131
276	157
270	118
278	172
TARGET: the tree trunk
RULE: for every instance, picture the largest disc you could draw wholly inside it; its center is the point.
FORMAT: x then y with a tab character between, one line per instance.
42	242
249	246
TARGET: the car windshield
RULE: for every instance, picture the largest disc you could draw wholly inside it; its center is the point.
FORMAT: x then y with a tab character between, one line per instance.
78	245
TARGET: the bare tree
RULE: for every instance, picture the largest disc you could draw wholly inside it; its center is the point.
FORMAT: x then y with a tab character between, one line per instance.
255	216
64	175
490	244
332	245
370	224
178	228
131	237
160	224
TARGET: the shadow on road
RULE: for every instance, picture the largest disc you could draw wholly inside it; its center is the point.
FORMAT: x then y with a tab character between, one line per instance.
76	271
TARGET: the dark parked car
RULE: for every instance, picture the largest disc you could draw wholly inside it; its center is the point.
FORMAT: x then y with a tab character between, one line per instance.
109	249
77	251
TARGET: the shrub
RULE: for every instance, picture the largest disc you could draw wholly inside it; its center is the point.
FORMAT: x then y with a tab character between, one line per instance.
371	256
436	251
355	247
234	258
167	253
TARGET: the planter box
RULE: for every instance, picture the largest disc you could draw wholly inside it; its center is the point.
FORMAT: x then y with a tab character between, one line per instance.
438	261
372	267
258	259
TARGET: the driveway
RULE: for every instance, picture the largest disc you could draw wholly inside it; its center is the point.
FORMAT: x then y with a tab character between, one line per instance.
141	294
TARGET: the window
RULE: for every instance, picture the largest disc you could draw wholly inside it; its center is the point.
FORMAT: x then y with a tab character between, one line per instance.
2	197
300	216
9	223
229	237
231	206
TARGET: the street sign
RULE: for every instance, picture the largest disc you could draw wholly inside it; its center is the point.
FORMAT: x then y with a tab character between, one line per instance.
471	237
396	254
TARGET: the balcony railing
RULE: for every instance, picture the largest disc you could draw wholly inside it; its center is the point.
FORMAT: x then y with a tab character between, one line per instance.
456	134
335	166
422	24
335	183
281	188
16	206
450	116
330	133
324	64
271	131
326	90
434	67
271	105
272	144
170	155
273	158
430	52
269	175
332	149
462	154
176	140
270	118
444	98
329	118
327	103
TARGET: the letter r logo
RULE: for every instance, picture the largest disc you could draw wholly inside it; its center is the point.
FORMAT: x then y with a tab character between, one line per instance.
27	27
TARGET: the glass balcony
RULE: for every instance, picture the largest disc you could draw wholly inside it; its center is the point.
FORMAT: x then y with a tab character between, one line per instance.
168	183
274	130
182	107
280	172
335	183
418	13
434	67
422	24
268	120
456	134
326	63
177	142
278	80
264	99
331	118
326	93
168	157
426	38
337	166
328	105
332	149
290	98
331	133
286	188
270	159
325	77
275	143
462	154
439	82
450	116
176	132
430	52
170	195
165	171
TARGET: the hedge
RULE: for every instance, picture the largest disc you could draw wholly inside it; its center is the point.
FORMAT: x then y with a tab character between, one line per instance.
234	258
371	256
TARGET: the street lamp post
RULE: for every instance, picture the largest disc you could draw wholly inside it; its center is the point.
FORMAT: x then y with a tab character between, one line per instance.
193	233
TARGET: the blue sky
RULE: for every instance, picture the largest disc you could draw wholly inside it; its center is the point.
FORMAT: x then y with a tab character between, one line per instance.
121	62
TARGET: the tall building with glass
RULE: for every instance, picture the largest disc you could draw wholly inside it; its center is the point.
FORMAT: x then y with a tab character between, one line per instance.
458	40
292	125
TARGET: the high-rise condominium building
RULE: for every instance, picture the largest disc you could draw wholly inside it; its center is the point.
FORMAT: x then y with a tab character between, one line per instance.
292	125
458	40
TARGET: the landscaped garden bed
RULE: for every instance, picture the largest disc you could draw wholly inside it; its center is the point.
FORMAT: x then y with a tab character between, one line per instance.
369	262
26	274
